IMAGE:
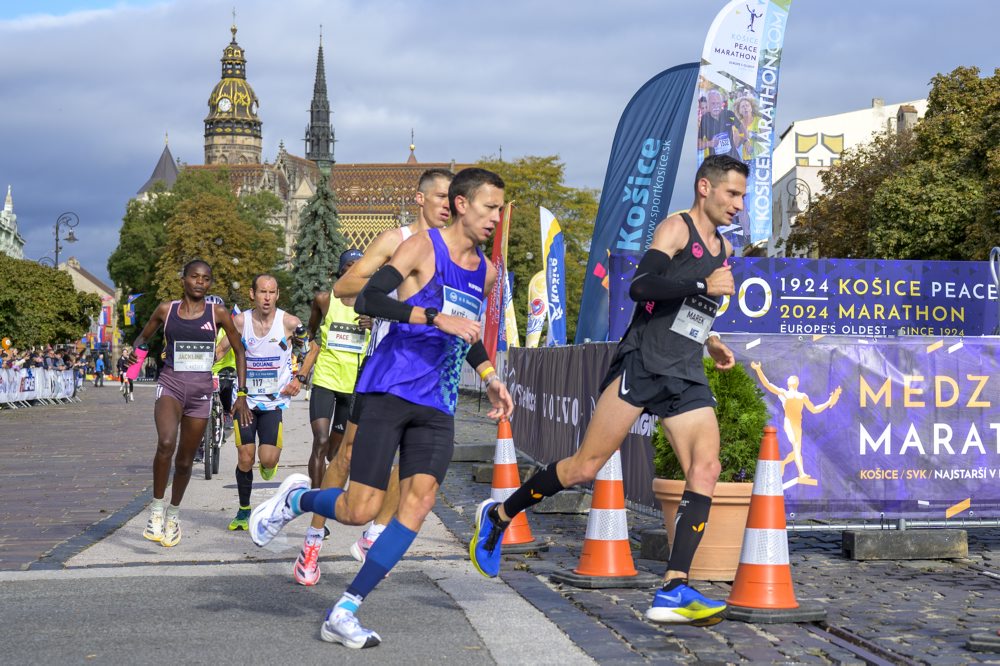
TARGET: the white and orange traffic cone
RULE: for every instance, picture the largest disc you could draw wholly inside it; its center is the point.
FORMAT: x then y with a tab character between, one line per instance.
606	559
762	590
517	537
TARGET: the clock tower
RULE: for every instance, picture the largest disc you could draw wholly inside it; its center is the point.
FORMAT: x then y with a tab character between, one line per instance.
232	128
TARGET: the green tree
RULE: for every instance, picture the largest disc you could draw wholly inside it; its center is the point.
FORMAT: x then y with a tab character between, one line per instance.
208	226
317	249
132	265
534	181
39	305
143	235
930	194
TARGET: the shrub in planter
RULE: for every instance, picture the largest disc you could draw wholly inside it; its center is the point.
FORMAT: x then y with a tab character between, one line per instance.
742	414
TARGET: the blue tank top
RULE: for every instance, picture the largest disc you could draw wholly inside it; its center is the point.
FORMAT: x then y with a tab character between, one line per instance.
419	363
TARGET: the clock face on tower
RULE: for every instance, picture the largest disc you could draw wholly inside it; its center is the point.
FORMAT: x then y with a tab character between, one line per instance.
225	104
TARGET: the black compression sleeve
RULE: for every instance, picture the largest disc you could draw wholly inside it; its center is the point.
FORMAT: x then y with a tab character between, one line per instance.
374	299
649	283
477	355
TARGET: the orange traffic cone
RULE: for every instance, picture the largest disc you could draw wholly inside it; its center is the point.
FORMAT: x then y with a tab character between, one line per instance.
762	590
517	537
606	559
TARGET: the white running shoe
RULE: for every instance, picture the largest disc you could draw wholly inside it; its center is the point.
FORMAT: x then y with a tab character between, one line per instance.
154	526
270	517
343	627
171	532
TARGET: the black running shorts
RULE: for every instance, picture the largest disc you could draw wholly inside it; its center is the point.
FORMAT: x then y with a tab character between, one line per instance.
660	395
424	436
265	428
327	404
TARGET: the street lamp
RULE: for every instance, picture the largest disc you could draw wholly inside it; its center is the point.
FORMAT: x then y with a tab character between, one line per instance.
69	220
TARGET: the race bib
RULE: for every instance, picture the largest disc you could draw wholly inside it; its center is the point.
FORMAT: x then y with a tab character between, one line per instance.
346	338
460	304
262	375
193	356
694	319
723	143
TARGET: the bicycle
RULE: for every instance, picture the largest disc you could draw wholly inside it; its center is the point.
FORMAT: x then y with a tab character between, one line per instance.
215	429
127	391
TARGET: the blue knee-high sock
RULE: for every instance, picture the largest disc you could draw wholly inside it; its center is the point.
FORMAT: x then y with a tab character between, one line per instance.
387	550
323	502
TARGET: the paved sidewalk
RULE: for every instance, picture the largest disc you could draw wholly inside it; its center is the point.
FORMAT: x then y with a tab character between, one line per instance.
217	598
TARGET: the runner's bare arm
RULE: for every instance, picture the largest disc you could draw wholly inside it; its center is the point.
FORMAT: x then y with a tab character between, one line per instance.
317	313
353	281
224	346
290	323
155	321
240	407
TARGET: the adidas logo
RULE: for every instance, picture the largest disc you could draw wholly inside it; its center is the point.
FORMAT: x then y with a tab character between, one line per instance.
204	397
207	326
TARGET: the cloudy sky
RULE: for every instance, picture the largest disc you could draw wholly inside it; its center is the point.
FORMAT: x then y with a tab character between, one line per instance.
90	87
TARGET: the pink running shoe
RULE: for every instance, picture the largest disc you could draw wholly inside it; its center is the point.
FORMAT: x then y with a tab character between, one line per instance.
306	571
359	549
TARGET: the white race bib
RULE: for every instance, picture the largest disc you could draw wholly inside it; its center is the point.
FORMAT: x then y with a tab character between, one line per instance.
346	338
723	143
193	356
262	382
460	304
694	319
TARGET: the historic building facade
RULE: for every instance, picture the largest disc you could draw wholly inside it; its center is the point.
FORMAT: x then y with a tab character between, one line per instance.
11	242
371	197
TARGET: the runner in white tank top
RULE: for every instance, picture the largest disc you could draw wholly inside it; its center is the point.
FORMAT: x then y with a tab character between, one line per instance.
267	338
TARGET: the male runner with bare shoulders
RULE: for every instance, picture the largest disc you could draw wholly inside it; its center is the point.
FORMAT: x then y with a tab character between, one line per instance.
657	369
432	198
266	336
441	279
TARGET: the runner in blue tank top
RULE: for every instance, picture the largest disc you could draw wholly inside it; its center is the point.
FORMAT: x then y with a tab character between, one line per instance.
410	385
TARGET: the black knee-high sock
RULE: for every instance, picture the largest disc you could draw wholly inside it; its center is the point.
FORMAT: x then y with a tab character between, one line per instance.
244	483
689	527
543	484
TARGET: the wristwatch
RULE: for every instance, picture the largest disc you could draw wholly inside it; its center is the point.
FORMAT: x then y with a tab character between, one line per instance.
241	391
430	313
302	379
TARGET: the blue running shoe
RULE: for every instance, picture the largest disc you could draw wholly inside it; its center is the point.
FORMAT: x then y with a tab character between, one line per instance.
484	549
682	604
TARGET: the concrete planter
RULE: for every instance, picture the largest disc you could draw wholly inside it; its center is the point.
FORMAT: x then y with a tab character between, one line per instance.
718	556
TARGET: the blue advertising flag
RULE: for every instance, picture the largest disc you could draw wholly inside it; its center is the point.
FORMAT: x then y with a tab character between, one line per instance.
554	261
637	189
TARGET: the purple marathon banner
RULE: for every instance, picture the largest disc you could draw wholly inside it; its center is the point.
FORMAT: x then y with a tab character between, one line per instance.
903	428
868	298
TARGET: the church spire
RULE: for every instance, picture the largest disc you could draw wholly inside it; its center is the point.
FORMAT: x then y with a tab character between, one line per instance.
319	133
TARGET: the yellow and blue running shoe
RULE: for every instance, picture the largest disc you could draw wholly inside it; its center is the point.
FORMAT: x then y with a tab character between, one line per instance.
682	603
240	521
485	546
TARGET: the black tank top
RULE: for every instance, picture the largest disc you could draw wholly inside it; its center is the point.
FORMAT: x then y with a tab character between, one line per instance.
194	338
667	343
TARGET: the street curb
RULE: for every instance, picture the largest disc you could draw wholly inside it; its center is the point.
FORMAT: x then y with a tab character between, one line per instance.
58	556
